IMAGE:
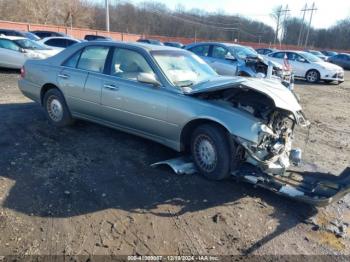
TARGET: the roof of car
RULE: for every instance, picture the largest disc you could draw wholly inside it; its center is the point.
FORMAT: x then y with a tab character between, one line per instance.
11	37
58	37
145	46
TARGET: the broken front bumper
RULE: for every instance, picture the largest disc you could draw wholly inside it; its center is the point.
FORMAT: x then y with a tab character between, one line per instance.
314	188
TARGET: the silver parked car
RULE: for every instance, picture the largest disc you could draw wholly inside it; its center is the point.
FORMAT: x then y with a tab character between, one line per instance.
236	60
170	96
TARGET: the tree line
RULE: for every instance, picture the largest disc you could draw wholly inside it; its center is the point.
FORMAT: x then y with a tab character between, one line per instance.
153	18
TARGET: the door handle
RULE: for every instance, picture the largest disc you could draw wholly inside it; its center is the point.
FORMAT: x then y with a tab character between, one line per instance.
64	76
111	87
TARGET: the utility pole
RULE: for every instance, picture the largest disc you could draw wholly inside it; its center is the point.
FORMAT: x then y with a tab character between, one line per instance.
285	11
279	13
278	24
302	24
107	15
312	9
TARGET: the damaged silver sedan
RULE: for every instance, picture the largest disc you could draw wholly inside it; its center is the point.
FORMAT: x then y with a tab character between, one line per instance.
173	97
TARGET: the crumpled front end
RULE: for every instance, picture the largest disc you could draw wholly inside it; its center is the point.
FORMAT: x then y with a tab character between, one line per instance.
273	153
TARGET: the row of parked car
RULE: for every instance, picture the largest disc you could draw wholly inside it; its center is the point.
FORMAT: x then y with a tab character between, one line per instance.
341	59
227	59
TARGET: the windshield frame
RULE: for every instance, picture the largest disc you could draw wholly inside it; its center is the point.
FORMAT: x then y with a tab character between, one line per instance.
154	53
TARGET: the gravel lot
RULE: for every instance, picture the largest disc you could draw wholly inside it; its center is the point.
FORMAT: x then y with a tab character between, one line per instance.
88	190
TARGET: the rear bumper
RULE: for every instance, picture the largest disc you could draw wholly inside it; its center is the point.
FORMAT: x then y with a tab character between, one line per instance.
29	90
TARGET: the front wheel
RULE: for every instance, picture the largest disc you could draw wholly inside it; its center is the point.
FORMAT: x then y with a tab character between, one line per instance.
211	152
312	76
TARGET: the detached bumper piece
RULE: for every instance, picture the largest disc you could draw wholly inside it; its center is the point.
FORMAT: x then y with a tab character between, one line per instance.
314	188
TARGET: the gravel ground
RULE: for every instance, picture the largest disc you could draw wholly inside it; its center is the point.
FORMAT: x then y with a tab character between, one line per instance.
88	190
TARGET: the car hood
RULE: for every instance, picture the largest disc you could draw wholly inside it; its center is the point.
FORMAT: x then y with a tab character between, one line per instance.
44	53
282	97
329	66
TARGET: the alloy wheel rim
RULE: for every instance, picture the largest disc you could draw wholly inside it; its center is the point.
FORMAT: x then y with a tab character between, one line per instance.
54	109
205	153
312	76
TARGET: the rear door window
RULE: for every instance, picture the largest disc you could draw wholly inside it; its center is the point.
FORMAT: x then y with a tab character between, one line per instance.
56	42
279	55
93	58
7	44
201	50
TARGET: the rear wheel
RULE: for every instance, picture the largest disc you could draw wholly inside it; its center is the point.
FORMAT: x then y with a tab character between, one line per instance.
56	108
312	76
211	152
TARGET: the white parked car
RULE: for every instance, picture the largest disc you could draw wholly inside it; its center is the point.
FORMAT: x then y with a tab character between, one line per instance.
14	51
59	43
309	66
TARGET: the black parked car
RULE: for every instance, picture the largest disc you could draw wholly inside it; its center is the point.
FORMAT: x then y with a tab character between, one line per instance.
25	34
150	41
44	34
96	37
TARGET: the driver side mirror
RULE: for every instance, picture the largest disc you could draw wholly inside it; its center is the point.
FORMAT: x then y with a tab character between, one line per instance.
22	50
148	78
230	57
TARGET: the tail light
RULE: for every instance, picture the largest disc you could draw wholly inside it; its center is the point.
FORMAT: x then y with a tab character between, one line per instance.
23	72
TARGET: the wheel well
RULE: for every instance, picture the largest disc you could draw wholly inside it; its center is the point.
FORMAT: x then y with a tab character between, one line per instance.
190	127
242	73
44	89
312	70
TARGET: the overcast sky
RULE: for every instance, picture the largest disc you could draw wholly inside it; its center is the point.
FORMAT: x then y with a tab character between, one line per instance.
329	11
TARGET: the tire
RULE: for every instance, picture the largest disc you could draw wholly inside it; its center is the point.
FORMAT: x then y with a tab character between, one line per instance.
211	152
56	109
312	76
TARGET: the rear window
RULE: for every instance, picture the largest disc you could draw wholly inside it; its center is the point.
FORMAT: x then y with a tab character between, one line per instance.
93	58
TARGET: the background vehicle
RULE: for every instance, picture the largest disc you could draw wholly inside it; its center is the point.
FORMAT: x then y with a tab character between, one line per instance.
150	41
59	43
187	107
8	32
96	37
329	53
174	44
342	60
265	51
318	54
14	51
43	34
306	65
236	60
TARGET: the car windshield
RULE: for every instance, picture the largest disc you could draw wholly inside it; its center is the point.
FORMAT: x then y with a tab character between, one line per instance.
243	52
29	44
183	68
311	58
